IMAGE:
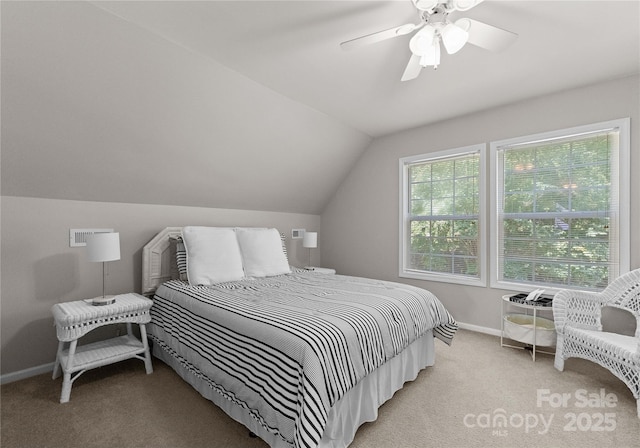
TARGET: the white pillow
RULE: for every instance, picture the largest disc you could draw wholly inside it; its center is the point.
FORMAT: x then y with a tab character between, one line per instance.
262	253
213	255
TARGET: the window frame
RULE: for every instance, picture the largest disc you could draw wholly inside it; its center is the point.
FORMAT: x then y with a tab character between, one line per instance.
623	188
404	215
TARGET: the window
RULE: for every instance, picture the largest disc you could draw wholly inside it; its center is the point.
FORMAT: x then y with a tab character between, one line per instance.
441	218
560	207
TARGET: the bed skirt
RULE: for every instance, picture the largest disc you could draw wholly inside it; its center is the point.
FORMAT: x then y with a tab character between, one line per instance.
358	406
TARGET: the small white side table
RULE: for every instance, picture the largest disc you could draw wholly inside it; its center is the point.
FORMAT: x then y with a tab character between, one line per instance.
535	308
75	319
320	270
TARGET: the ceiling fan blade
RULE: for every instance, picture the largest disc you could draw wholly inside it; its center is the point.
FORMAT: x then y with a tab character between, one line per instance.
487	36
413	68
380	36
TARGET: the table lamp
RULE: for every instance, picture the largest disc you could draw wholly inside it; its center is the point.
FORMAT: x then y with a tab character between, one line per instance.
310	241
103	247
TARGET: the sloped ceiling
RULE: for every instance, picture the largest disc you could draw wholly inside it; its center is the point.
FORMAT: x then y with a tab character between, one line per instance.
293	48
96	108
253	104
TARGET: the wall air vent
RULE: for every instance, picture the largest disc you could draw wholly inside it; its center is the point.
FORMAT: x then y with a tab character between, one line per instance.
297	234
78	237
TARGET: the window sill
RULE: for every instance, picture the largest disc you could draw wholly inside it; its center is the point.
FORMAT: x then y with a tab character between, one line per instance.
528	287
445	278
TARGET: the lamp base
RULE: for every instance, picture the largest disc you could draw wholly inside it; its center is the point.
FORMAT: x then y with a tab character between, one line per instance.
103	300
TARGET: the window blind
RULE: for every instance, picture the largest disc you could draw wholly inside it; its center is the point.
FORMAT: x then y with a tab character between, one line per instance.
558	206
442	215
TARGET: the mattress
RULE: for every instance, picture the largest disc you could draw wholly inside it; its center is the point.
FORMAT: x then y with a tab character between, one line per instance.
280	354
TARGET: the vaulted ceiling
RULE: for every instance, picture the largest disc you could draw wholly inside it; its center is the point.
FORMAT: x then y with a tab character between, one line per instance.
253	105
293	48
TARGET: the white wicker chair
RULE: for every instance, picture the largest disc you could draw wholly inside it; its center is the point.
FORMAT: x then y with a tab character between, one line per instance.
577	317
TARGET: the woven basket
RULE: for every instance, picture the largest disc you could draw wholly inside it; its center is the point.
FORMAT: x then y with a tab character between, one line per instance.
519	327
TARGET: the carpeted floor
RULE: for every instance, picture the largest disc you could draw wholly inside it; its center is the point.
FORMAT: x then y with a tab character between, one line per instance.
477	395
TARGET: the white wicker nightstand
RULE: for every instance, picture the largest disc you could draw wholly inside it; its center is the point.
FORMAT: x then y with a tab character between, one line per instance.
75	319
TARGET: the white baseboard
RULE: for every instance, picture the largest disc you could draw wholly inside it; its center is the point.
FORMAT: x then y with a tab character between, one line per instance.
45	368
479	329
26	373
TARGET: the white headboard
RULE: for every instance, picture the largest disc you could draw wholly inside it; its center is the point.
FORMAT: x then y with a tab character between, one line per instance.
158	264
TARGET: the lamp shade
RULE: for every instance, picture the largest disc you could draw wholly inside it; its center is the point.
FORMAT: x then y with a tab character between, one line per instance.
454	37
464	5
423	41
310	240
425	5
103	247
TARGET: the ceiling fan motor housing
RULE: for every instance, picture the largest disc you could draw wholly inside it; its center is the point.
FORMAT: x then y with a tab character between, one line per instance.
435	17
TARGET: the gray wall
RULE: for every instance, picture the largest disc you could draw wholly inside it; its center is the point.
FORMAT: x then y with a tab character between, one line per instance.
360	225
88	98
39	268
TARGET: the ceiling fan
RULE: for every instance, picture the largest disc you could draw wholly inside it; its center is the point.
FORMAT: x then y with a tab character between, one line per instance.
435	27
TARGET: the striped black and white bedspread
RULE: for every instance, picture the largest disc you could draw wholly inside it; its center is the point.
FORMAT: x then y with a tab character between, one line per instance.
286	348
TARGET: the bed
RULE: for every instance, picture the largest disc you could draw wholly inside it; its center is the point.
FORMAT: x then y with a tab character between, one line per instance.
301	358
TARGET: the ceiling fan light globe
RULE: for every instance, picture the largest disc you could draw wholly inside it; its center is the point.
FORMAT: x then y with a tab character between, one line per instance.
432	56
463	23
454	38
464	5
425	5
422	42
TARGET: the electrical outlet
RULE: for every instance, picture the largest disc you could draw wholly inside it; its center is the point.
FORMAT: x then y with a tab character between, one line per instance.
297	234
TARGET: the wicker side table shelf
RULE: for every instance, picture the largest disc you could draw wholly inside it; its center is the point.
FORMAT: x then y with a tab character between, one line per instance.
75	319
